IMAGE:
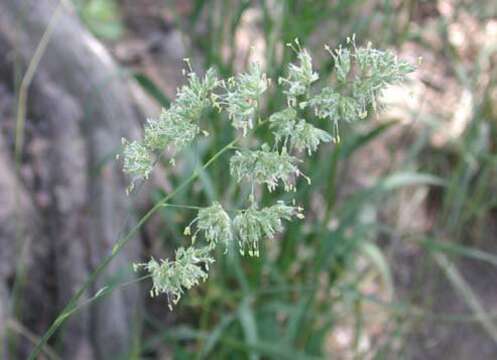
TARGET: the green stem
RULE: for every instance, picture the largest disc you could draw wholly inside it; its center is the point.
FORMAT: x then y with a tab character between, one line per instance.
107	290
183	206
72	304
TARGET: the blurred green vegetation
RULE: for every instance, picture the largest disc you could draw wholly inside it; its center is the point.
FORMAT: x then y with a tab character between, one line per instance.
102	17
306	285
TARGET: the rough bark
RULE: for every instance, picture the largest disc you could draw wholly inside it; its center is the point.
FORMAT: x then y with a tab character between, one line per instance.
19	219
79	109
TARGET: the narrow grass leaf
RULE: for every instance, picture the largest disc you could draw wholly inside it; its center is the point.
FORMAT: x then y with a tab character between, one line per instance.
468	295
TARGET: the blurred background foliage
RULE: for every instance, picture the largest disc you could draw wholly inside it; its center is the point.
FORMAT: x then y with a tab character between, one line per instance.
102	17
397	255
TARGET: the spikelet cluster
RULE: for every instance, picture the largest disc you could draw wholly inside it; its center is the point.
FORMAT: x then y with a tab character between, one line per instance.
361	75
265	166
215	223
138	161
300	134
188	269
253	224
300	76
175	128
242	97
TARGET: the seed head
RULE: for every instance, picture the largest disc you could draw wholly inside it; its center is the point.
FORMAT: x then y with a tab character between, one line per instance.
171	278
252	224
216	225
265	166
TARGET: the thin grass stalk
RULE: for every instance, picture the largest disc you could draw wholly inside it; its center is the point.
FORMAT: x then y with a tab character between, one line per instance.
72	304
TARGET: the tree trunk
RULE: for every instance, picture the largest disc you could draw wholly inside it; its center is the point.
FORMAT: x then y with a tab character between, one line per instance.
66	206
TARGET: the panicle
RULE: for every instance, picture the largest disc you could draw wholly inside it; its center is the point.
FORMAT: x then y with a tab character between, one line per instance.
361	75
